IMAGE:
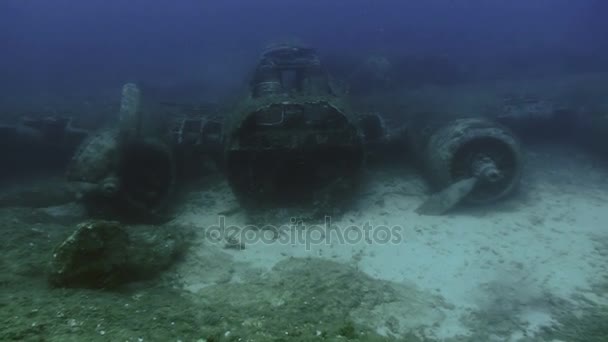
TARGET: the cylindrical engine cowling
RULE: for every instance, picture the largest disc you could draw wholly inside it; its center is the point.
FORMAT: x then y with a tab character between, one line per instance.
266	82
131	178
450	153
290	152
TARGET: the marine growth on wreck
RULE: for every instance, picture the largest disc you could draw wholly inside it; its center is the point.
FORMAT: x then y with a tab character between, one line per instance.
396	171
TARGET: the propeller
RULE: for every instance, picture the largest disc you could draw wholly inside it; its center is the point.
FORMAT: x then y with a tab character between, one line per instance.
484	170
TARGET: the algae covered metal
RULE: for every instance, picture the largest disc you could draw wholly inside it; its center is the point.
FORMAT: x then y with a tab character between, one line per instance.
291	139
106	254
470	159
118	170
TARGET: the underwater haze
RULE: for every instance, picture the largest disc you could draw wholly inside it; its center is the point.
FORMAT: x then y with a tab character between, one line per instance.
292	170
66	47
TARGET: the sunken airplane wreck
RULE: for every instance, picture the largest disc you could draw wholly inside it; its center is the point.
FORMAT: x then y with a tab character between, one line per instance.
292	140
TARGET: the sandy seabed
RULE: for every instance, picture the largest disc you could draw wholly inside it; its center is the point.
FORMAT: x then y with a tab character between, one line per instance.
530	268
505	272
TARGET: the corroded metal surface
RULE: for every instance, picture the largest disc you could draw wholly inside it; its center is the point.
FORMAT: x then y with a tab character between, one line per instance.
117	171
95	158
292	138
452	152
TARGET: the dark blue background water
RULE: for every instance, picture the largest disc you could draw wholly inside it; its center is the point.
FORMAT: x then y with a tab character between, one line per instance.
70	46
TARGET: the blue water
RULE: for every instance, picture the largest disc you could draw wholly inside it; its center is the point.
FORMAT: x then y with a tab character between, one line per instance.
68	46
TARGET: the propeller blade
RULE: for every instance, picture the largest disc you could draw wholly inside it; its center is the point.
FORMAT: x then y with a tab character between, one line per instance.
446	199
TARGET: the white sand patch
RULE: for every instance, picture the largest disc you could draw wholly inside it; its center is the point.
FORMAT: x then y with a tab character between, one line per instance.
507	262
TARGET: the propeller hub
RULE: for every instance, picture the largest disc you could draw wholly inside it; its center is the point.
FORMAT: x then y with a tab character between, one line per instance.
485	169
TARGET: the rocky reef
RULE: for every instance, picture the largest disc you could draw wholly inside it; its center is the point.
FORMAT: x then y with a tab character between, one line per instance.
106	254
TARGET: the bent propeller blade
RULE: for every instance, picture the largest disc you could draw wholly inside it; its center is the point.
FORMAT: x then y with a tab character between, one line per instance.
446	199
